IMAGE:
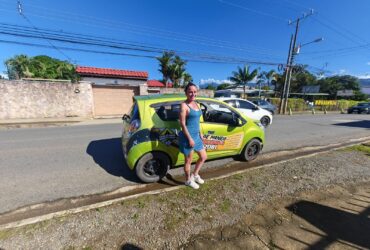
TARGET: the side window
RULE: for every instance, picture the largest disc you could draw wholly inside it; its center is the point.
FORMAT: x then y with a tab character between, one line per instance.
215	112
168	111
245	105
134	114
232	103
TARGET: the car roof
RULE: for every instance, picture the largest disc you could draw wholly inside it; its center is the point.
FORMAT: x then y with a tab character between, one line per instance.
231	98
166	97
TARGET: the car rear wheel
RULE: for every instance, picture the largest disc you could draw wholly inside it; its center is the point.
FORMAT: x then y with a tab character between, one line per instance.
251	150
265	121
152	167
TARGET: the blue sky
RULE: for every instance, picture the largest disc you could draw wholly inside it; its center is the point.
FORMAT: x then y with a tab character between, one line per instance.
253	30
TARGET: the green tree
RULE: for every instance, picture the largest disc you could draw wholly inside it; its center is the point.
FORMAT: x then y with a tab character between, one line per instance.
18	67
173	68
165	62
45	67
268	77
301	79
242	76
333	84
211	87
187	78
223	86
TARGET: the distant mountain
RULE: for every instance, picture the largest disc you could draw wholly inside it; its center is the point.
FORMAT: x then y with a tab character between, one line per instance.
365	82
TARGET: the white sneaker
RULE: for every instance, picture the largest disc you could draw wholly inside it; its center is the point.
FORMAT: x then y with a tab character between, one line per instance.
191	184
198	179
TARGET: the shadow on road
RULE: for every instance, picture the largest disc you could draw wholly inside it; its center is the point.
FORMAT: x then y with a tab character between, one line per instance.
336	224
355	124
108	154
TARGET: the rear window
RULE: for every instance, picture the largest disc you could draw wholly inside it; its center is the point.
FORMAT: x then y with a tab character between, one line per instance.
168	111
134	114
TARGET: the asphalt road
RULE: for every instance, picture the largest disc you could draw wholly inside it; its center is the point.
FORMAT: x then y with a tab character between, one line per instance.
45	164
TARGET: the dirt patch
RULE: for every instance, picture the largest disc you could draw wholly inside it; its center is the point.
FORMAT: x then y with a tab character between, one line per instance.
262	208
335	217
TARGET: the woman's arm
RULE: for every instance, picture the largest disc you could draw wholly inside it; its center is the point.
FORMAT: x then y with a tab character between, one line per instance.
183	113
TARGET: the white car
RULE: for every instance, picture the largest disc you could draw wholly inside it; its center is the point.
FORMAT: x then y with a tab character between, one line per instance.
249	109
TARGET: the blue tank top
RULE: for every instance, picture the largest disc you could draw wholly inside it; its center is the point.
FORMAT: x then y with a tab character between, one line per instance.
192	120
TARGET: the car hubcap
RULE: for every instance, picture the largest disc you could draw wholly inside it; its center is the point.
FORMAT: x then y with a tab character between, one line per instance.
152	167
253	150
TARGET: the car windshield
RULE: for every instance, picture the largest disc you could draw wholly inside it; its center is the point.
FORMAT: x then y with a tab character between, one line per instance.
363	104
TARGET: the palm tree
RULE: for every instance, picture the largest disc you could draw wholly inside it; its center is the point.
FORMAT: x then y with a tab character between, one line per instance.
187	78
177	70
165	62
18	67
243	76
269	76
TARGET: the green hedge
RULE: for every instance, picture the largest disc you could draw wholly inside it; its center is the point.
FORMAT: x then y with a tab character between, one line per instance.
299	104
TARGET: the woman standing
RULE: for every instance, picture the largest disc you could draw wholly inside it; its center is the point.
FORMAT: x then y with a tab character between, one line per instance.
190	139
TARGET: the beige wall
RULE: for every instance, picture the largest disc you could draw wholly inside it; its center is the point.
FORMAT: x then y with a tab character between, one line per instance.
113	100
23	99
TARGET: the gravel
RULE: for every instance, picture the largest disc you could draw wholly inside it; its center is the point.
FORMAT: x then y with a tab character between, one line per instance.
170	220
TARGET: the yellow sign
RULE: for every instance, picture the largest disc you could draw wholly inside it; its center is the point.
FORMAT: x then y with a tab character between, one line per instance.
325	103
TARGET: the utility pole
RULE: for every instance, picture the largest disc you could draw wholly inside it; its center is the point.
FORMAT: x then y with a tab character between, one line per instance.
282	95
289	67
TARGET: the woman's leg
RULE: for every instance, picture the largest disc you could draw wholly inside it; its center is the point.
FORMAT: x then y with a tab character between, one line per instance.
187	165
202	158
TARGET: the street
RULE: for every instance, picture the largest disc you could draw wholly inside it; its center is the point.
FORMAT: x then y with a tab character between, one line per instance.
45	164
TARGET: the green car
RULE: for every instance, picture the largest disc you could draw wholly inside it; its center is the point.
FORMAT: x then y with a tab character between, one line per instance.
150	134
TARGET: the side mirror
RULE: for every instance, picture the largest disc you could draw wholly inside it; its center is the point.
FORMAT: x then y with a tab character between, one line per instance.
255	108
126	118
235	120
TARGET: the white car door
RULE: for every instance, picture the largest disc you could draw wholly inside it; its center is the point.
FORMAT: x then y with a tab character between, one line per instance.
249	109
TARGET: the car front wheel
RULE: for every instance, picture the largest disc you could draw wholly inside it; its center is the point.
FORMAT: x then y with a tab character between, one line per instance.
265	121
251	150
152	167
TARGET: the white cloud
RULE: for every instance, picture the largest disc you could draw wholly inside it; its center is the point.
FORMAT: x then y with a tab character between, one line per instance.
368	63
342	72
364	76
4	75
212	80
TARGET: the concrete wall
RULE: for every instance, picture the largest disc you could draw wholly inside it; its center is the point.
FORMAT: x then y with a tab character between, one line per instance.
22	99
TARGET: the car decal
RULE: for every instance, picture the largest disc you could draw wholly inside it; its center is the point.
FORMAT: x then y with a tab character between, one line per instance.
164	135
215	142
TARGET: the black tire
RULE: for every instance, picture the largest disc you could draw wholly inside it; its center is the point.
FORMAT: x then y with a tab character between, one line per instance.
251	150
265	121
152	167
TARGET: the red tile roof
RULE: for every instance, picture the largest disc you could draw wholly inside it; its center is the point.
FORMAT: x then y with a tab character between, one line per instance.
112	73
156	83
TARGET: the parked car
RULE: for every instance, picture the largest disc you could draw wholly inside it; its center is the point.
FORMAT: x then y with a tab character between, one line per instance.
249	109
228	93
360	108
150	134
265	105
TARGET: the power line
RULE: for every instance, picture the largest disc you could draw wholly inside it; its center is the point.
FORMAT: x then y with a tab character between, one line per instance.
147	31
20	11
241	61
21	31
339	32
251	10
